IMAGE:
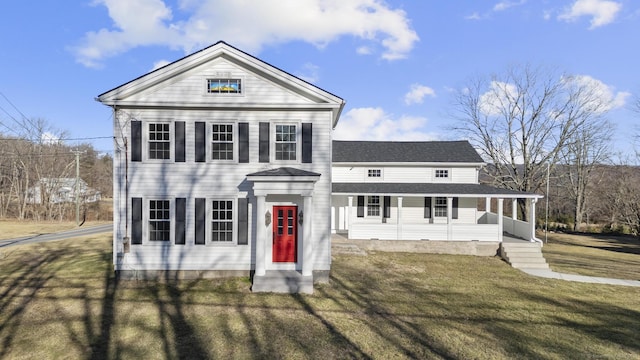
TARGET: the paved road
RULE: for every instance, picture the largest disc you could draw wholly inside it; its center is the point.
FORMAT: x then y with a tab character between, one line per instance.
83	231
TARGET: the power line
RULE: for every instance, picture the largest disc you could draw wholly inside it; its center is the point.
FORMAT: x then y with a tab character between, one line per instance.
18	110
57	140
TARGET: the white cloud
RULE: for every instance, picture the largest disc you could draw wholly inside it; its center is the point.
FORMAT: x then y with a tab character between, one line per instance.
319	22
594	94
160	63
375	124
603	97
504	5
364	50
602	12
474	16
417	93
493	102
498	7
309	73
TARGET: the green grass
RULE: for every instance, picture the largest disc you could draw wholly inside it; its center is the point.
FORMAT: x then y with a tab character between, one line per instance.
594	255
61	300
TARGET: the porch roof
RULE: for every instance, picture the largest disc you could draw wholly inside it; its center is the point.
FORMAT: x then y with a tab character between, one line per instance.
428	189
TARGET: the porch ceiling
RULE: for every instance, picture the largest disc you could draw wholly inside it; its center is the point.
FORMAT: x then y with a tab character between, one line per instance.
427	189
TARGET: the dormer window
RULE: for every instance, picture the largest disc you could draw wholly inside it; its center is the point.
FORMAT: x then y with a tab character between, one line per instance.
224	86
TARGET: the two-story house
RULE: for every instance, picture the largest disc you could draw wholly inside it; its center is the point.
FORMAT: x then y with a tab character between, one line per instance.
420	191
223	167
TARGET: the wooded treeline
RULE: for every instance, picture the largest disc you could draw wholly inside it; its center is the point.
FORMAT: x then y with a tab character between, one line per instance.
33	153
611	200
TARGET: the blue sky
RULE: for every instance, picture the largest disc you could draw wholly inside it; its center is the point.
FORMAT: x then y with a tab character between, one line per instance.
396	63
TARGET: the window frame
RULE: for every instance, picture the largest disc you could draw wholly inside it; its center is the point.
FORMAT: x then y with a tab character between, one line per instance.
227	78
209	221
437	207
369	205
146	219
146	139
209	141
272	141
444	171
369	171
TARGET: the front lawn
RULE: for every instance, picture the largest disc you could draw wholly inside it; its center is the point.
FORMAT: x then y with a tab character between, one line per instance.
61	300
594	255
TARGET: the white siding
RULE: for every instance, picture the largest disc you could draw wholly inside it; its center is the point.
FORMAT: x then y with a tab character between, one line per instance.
191	87
168	179
403	174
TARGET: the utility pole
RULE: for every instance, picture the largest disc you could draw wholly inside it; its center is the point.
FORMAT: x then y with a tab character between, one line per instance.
77	153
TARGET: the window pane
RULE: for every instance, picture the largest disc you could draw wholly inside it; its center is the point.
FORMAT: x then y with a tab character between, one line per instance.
159	220
222	221
224	86
159	141
222	142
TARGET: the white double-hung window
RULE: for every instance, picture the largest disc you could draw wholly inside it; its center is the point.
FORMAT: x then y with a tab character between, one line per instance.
221	141
221	221
159	223
159	141
286	144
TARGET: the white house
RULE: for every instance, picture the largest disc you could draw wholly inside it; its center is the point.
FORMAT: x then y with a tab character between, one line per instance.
61	190
420	191
223	167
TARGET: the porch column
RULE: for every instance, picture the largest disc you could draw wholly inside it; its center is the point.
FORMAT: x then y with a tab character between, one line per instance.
399	221
532	219
449	218
500	218
349	221
487	204
261	235
307	234
514	214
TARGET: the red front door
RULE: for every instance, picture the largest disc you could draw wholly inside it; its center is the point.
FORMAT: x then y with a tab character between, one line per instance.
285	230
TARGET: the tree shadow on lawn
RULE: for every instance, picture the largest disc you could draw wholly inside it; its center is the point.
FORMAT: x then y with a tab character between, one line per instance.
626	244
18	292
608	322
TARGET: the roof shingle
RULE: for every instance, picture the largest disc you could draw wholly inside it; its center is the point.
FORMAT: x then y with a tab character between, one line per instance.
405	152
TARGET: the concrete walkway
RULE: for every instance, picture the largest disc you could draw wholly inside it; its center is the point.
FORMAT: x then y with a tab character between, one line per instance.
550	274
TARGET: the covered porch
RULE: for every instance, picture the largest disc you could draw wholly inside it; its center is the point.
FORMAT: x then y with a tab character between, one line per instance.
456	212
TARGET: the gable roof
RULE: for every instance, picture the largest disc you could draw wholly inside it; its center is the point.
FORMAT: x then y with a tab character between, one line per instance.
405	152
320	98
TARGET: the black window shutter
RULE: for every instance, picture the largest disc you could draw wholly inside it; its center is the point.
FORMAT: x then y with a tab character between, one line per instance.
360	206
427	208
136	140
180	141
136	221
387	207
201	218
454	210
243	221
201	146
263	142
181	217
243	142
307	142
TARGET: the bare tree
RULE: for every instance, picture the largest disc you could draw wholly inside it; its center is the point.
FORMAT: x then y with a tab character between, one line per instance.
520	120
588	147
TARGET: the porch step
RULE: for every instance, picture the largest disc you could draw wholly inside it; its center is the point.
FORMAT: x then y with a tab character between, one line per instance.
523	255
283	281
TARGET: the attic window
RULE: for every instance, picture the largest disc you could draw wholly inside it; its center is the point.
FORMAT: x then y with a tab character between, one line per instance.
224	86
